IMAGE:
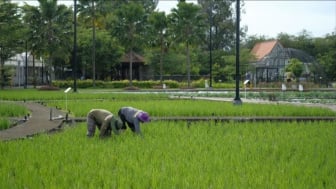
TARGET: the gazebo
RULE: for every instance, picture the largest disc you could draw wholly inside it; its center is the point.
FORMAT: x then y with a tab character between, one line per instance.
138	66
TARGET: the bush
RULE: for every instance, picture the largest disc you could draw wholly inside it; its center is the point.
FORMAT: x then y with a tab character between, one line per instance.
114	84
148	84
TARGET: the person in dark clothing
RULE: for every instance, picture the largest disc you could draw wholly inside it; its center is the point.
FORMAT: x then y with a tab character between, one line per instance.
104	120
133	117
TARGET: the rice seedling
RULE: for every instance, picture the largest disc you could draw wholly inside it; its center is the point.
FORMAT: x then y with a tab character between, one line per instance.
193	108
10	109
172	155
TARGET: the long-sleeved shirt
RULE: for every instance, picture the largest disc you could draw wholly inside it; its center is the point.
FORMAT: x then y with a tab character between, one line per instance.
128	114
104	119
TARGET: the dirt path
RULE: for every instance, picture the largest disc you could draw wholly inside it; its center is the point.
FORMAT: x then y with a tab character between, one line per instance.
38	122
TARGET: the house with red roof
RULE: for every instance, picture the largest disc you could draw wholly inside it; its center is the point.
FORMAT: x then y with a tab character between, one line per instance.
271	59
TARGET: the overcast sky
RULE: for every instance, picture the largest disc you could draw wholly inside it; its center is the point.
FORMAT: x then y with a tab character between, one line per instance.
269	18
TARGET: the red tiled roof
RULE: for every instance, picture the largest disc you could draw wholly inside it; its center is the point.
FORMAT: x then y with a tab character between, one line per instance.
260	50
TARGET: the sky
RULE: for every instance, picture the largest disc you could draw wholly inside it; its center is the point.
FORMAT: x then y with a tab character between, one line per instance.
269	18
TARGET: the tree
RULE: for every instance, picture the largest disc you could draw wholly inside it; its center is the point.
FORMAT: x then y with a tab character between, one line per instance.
220	16
88	10
50	30
108	52
128	27
250	41
326	56
11	34
159	24
188	26
295	66
286	40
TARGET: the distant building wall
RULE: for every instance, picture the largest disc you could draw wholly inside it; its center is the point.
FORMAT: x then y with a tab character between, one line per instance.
18	70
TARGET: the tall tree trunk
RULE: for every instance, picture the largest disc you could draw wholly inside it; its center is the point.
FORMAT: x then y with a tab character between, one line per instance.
131	67
2	73
93	45
188	65
34	71
161	57
42	72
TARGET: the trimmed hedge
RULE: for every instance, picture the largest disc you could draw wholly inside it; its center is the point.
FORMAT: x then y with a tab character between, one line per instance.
114	84
149	84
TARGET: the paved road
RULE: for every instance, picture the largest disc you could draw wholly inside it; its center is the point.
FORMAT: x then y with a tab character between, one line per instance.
38	122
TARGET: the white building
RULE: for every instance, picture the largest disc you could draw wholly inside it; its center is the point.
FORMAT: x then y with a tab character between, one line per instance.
19	68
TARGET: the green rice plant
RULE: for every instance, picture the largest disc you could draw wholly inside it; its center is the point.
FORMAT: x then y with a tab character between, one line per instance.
40	95
176	155
164	108
11	109
4	123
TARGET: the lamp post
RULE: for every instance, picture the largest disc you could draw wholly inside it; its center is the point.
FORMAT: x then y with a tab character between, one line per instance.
75	47
210	45
237	100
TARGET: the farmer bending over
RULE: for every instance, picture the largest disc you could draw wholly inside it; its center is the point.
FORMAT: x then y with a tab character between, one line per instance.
104	120
133	117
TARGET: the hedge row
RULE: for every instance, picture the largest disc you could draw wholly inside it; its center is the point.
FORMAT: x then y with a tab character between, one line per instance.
150	84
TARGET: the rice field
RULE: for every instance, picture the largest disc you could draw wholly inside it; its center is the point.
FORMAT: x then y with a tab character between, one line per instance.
174	154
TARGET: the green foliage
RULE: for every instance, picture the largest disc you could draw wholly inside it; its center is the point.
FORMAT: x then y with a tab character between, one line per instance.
187	26
327	60
8	73
115	84
107	51
220	17
10	109
4	123
11	35
161	106
173	155
50	30
295	66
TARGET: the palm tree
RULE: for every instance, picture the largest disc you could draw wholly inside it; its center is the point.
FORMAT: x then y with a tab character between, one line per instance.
128	28
50	30
159	24
188	26
11	33
87	11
